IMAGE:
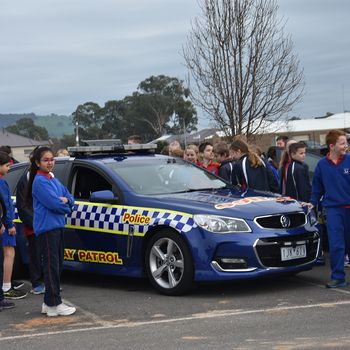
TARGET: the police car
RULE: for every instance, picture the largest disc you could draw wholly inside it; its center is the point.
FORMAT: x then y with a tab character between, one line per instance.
138	213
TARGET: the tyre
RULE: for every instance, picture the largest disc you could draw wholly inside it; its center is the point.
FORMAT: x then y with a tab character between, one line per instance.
169	264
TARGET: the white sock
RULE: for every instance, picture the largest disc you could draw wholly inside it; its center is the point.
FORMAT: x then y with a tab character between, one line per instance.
6	286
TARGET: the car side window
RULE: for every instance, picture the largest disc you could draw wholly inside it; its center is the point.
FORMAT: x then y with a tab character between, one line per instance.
13	177
86	181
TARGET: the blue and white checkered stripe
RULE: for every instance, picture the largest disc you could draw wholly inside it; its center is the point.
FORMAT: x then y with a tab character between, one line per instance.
109	218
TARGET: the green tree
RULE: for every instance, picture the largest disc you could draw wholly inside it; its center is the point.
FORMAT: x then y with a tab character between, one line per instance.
90	121
161	102
26	127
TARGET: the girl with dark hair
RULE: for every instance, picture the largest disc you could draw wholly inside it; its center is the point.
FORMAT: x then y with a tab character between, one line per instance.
251	170
9	235
51	201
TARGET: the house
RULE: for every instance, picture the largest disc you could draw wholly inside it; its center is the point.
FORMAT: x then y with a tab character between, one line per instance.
21	146
305	129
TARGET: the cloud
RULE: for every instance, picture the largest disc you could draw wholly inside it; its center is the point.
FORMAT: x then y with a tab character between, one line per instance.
57	54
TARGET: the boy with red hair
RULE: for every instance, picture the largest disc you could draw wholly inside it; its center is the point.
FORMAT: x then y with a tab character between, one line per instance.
332	182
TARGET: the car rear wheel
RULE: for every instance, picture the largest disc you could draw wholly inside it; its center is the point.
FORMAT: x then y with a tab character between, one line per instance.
169	263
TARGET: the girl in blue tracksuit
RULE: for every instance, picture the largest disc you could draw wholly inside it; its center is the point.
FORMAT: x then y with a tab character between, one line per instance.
51	201
332	182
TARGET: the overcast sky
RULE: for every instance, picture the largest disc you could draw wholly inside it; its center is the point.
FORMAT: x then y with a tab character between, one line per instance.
57	54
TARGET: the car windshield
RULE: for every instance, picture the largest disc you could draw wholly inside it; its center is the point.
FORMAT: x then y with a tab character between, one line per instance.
162	176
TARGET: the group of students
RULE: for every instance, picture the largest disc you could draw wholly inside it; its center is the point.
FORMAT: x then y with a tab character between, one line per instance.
42	203
284	171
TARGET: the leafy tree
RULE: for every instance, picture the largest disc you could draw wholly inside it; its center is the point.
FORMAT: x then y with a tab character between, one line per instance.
161	103
244	72
26	127
90	121
159	106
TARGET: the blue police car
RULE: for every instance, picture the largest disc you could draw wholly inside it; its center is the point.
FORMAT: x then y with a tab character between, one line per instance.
138	213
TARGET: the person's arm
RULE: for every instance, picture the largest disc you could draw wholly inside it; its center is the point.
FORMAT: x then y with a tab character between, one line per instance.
271	178
317	189
45	193
5	191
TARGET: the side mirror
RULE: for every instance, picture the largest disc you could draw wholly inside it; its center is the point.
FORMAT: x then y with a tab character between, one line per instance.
105	196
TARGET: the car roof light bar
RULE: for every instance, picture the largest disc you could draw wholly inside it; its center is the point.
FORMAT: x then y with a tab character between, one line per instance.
100	147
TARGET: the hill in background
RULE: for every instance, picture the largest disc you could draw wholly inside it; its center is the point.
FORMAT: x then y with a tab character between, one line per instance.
56	125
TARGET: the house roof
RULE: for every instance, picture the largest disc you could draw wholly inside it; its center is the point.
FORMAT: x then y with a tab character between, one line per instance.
335	121
13	140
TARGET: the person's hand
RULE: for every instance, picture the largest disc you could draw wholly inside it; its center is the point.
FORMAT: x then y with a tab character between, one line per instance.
64	199
2	229
308	205
12	231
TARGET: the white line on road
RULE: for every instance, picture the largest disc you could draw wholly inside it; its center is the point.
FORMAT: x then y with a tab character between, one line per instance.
208	315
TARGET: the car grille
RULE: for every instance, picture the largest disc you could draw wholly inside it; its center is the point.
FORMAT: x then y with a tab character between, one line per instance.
269	249
293	220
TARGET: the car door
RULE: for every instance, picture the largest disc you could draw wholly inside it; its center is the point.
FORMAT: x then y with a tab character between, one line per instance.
90	243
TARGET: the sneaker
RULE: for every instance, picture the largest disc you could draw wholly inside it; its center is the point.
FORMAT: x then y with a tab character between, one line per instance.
336	284
14	294
60	310
4	304
44	308
17	284
40	289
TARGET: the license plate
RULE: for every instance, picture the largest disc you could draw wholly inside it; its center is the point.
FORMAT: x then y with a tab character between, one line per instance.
290	253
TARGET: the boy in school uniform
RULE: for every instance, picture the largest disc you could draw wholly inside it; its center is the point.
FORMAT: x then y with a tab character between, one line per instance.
298	181
332	182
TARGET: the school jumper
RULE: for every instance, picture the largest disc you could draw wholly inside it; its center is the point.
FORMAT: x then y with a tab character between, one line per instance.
332	181
7	239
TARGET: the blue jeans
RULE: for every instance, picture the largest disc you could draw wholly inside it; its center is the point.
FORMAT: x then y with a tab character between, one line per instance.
338	227
52	249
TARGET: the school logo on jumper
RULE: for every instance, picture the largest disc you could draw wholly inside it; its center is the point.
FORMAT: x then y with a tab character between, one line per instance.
346	171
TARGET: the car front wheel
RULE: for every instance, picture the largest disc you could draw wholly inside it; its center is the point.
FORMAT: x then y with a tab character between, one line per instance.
169	263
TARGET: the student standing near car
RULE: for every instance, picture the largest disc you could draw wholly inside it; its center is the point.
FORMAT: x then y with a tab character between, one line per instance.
331	181
206	151
51	201
25	213
9	235
222	155
4	304
297	174
251	170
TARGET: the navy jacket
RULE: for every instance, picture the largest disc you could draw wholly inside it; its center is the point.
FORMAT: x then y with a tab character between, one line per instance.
332	181
298	181
227	171
25	213
260	178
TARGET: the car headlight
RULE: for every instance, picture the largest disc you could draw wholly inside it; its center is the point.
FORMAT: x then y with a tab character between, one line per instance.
312	217
221	224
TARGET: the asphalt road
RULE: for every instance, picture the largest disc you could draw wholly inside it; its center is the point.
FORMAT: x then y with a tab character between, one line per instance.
295	312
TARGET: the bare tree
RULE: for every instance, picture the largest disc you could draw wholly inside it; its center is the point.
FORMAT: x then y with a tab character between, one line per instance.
245	74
